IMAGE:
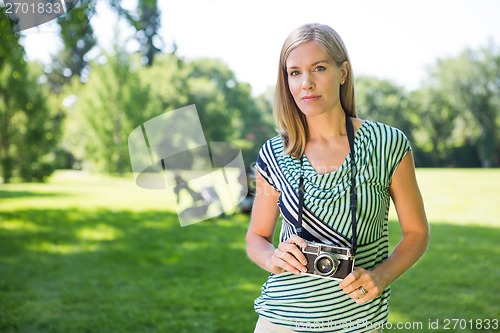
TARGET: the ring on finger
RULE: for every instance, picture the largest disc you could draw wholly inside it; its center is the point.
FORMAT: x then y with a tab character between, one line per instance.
363	291
283	255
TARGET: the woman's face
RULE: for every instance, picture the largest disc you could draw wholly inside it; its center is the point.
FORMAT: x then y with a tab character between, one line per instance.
314	79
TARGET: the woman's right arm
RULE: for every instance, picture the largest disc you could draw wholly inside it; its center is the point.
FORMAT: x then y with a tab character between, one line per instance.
259	238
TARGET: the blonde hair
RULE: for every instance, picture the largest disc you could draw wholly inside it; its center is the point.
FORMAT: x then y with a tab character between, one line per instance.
291	122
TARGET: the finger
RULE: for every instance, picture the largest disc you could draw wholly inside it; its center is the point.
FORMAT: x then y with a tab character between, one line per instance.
291	253
286	261
300	244
294	251
296	262
297	240
350	279
360	292
363	298
279	253
291	260
277	262
285	265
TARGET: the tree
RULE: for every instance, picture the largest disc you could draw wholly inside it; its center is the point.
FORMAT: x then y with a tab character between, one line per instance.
28	128
227	110
471	85
77	35
109	106
146	21
78	38
384	101
434	128
121	94
258	125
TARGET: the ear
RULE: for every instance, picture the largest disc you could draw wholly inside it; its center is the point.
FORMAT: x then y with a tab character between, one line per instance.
344	71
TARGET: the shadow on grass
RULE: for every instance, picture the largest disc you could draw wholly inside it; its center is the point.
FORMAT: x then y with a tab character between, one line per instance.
11	194
118	271
457	278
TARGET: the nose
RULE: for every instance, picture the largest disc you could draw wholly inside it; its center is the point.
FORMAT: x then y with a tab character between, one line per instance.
308	82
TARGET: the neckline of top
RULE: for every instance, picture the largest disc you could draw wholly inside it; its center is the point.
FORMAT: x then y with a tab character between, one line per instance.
357	136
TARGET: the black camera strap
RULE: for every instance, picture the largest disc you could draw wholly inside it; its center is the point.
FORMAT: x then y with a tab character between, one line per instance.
353	196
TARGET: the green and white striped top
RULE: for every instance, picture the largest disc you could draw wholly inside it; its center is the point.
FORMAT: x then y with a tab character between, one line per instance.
306	303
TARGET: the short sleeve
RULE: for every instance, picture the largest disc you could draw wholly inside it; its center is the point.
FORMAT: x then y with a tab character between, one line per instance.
398	146
265	162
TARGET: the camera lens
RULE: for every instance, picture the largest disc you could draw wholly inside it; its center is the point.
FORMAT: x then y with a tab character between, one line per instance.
326	264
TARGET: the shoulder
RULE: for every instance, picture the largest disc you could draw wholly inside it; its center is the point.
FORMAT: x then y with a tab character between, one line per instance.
274	145
267	160
270	152
390	146
384	133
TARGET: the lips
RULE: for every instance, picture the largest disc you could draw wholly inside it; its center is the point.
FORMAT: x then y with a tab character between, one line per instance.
310	98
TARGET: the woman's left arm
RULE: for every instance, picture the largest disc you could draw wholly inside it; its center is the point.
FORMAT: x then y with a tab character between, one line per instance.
415	237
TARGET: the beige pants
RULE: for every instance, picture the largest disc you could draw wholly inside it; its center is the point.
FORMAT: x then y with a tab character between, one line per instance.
264	326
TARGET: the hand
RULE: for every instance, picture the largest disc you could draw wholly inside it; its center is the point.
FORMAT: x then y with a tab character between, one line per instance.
363	285
289	257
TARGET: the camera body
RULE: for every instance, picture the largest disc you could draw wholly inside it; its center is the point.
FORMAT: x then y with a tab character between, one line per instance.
328	261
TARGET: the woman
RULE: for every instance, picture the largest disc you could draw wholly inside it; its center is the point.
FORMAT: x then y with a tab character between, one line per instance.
313	105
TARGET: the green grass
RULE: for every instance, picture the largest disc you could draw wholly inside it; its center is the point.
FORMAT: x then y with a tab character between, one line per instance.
461	196
98	254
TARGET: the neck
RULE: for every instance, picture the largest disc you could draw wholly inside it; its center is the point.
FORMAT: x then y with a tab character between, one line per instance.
327	126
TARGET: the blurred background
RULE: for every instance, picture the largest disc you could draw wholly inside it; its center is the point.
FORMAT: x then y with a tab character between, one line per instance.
82	249
87	79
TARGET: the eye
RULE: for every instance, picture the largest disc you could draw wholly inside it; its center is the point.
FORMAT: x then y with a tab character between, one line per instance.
320	68
294	73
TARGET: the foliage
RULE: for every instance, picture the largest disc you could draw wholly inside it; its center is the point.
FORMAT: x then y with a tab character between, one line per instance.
437	128
382	100
120	94
226	107
453	119
146	21
470	84
77	36
109	106
28	128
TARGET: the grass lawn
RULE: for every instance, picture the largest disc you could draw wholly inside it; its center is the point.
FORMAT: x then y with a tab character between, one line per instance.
98	254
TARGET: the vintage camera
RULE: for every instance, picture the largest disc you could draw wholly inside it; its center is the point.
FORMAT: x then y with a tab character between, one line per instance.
328	261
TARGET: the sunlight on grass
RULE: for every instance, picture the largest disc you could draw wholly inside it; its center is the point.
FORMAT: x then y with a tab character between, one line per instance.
249	286
78	189
69	189
19	225
460	196
49	247
190	246
100	232
398	317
